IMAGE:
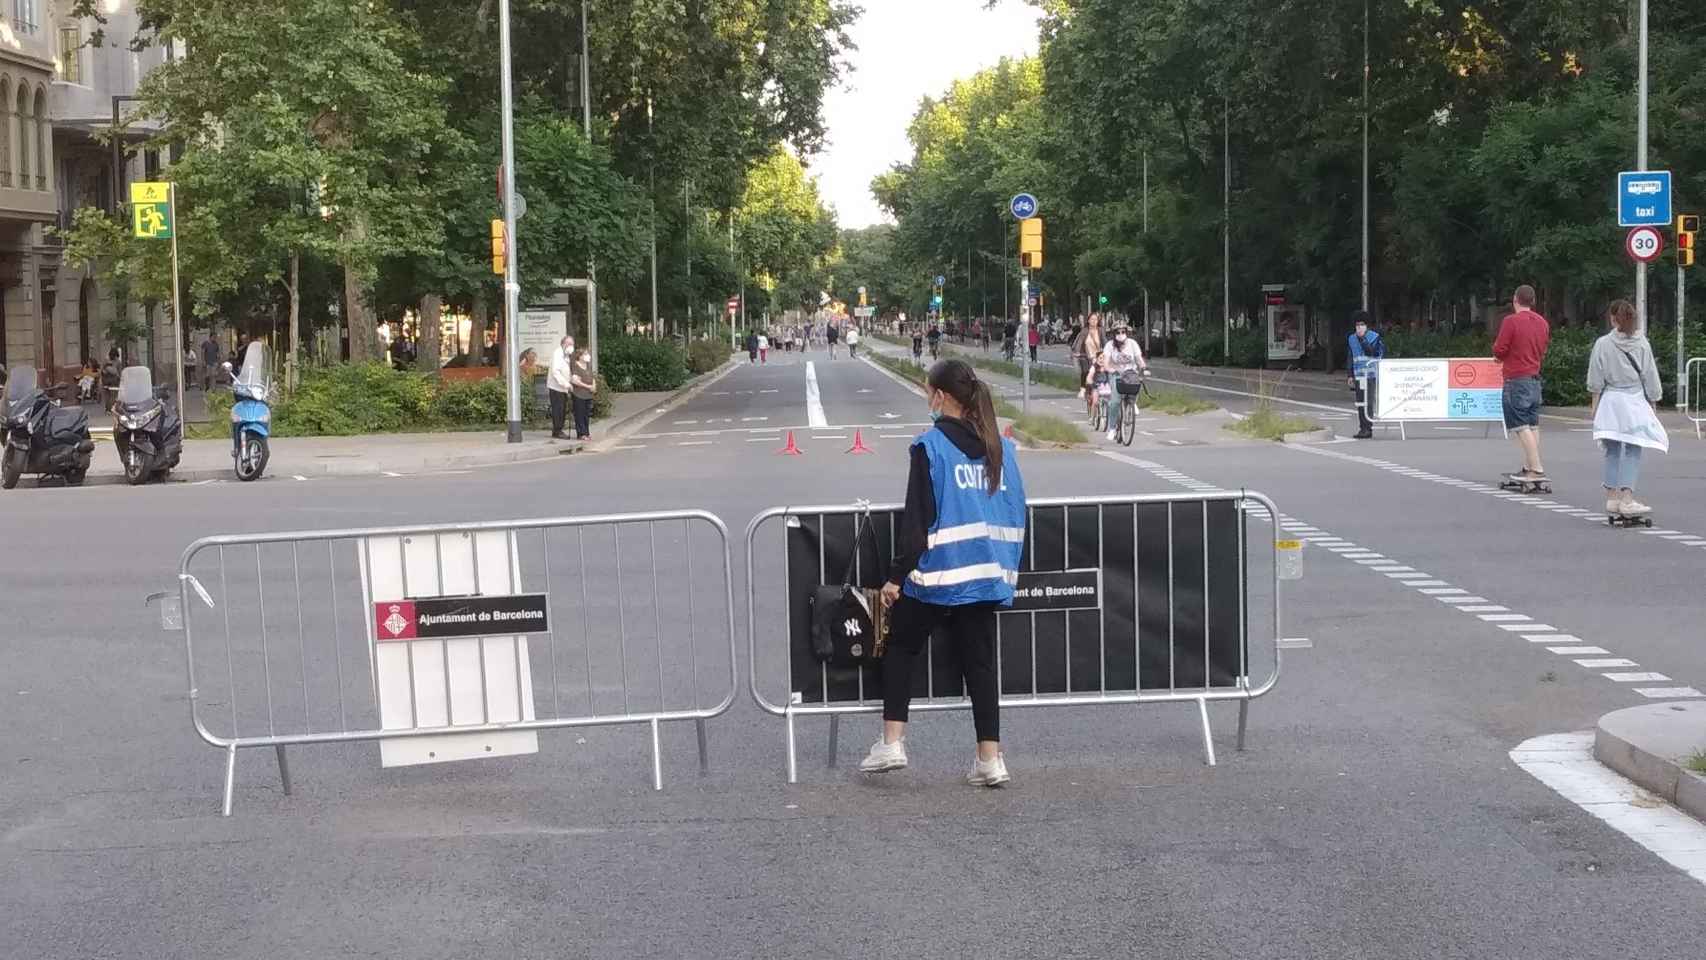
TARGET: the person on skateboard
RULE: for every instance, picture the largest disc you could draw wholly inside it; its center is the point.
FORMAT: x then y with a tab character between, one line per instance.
1521	349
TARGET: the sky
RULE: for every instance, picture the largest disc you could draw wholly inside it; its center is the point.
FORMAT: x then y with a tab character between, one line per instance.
907	49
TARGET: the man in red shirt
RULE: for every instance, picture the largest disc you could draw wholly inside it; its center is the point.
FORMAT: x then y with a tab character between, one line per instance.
1521	348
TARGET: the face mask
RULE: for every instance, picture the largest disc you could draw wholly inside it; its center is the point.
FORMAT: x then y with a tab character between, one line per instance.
935	413
1119	338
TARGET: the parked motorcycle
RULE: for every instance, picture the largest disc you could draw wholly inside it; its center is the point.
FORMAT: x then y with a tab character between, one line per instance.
42	437
147	430
251	415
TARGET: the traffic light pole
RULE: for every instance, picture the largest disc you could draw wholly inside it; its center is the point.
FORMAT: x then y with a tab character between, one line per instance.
1681	327
512	269
1023	337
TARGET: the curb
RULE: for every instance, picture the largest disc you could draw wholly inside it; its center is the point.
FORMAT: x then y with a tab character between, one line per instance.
1648	743
1309	436
615	433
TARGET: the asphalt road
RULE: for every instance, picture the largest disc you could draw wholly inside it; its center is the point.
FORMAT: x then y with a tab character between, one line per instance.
1375	813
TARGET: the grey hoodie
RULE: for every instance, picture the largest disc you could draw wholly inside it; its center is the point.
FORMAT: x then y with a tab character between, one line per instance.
1609	366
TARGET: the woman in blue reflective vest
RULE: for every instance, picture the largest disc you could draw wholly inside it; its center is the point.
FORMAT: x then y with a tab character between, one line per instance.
960	540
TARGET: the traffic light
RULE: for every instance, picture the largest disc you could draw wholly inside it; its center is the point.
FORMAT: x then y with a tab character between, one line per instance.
499	260
1687	225
1101	299
1031	243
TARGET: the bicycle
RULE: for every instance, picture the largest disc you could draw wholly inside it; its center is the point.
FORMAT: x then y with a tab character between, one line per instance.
1126	429
1098	415
1008	347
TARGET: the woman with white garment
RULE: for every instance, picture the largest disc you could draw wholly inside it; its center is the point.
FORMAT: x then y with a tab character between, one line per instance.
1624	381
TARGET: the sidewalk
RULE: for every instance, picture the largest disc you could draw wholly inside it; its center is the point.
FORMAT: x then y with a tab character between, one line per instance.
380	454
1649	745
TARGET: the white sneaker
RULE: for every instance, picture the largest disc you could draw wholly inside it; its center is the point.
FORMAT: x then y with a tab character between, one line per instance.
1113	434
1635	508
884	757
989	773
1613	507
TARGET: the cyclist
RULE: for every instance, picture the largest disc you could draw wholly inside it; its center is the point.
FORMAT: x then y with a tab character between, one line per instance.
1009	339
918	345
1121	356
935	337
1086	349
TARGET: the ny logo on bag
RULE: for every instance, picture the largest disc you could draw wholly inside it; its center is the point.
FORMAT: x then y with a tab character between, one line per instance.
852	627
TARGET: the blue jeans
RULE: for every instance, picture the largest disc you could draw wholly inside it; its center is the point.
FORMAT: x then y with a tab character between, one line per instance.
1622	464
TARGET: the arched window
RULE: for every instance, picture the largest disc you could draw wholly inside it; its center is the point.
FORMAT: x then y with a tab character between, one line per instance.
44	143
25	150
6	135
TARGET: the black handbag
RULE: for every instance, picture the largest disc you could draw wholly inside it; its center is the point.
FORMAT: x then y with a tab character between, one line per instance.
849	624
1130	383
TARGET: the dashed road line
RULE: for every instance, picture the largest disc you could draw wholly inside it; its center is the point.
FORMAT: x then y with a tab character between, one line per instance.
1559	643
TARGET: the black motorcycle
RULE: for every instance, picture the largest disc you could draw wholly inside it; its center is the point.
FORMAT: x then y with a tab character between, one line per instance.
147	431
42	437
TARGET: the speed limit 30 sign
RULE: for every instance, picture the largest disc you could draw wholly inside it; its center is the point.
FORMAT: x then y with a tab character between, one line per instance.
1644	244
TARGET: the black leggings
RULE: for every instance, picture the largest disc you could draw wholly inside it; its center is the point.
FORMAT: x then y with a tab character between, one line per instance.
971	629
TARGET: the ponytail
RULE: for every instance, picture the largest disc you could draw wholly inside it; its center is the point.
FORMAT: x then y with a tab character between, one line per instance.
956	379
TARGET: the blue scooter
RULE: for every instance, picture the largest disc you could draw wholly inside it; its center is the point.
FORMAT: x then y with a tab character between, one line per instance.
251	414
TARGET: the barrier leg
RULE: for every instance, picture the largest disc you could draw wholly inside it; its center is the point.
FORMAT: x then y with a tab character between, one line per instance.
283	769
793	771
834	738
230	778
657	758
704	750
1243	721
1207	734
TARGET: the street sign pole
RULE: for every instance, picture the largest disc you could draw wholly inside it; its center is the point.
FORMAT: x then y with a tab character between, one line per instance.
512	269
1024	334
177	328
1681	357
1641	164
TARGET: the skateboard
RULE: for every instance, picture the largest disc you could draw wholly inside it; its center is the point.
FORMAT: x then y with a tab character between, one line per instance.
1619	520
1513	482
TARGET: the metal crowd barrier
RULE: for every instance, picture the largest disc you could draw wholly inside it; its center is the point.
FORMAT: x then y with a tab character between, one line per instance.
1695	407
1174	593
430	639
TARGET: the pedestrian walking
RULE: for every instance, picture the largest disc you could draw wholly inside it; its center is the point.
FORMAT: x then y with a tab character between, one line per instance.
763	348
852	342
1521	350
752	347
209	361
1624	381
560	383
830	336
961	535
583	386
1365	348
1034	337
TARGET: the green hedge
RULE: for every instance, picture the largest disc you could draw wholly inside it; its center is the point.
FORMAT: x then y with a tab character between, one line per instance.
1203	345
703	356
642	364
352	399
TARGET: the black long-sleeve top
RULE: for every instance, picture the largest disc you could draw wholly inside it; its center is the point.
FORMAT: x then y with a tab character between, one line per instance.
919	514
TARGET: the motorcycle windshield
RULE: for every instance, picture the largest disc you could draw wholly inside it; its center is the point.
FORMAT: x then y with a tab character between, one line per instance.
20	383
135	385
251	381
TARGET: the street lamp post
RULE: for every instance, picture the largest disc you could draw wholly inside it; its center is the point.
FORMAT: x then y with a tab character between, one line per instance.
512	267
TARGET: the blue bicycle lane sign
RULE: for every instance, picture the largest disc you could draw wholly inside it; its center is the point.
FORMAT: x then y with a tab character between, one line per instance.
1024	206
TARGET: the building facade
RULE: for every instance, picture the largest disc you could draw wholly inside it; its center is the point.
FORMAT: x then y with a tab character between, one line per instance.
57	92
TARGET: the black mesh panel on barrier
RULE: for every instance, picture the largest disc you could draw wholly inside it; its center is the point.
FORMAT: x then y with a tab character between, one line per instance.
1172	603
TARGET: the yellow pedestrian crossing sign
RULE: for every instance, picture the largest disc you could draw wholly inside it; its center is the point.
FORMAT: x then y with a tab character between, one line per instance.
151	210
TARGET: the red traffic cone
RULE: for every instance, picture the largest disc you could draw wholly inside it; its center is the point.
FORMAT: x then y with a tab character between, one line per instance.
859	443
791	450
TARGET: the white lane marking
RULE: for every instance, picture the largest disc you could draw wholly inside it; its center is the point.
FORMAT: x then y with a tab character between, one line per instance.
634	446
1295	643
814	399
298	477
1484	608
1605	663
389	473
836	436
695	443
1424	583
683	423
1458	597
1637	677
894	436
808	363
753	419
1565	762
762	439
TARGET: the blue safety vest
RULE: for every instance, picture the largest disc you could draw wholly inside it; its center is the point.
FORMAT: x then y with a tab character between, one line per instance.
973	551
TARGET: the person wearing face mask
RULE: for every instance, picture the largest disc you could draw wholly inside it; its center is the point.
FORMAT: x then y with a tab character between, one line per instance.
960	537
1122	355
584	386
559	380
